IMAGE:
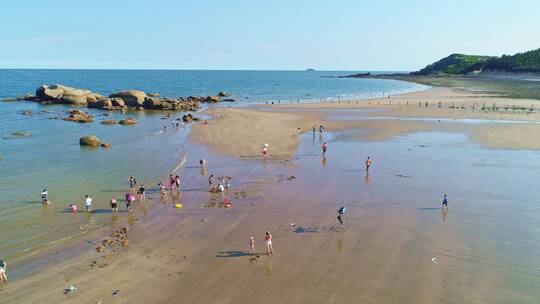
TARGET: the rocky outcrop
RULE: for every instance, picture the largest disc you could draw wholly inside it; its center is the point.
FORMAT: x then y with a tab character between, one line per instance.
131	98
120	101
211	99
228	100
65	95
79	116
109	122
128	121
91	141
106	145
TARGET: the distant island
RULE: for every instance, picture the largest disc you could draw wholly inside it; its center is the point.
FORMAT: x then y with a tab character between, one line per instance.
310	70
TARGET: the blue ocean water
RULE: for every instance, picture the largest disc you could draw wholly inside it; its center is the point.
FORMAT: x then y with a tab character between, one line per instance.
50	157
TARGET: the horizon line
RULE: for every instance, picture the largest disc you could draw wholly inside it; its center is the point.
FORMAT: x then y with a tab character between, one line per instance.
179	69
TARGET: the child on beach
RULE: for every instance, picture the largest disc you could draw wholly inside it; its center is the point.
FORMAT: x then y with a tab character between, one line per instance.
445	201
131	183
251	245
73	208
202	162
162	190
114	206
368	164
142	193
44	200
129	200
3	269
324	148
88	203
268	239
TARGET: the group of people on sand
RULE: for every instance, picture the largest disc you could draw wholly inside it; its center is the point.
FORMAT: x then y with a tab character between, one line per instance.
267	244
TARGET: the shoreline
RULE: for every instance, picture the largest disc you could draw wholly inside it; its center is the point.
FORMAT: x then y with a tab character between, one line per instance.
179	255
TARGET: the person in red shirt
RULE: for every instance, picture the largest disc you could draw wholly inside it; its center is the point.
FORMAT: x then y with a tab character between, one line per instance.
324	148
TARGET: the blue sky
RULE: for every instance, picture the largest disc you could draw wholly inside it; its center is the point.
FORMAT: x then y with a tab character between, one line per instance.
255	34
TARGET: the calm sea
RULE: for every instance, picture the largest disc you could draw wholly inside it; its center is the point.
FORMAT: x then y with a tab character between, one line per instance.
50	157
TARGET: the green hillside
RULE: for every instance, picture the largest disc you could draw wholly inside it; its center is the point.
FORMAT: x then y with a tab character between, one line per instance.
460	64
455	64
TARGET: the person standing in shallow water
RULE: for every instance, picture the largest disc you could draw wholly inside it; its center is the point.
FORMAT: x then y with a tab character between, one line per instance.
88	203
324	148
445	201
268	240
368	164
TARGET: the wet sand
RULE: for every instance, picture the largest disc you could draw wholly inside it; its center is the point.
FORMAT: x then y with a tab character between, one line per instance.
235	134
484	250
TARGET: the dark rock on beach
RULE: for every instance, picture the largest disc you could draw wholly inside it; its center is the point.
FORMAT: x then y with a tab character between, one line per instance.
106	145
109	122
224	94
91	141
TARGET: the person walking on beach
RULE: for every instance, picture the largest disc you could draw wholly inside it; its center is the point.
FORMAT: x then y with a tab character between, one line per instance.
445	201
202	162
324	148
142	193
368	164
268	239
251	245
321	128
3	270
314	129
340	214
44	194
114	205
88	203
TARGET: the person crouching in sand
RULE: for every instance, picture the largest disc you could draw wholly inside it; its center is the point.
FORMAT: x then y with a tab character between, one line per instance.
268	239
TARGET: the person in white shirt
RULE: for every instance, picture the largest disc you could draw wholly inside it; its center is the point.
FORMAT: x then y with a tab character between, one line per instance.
88	203
44	200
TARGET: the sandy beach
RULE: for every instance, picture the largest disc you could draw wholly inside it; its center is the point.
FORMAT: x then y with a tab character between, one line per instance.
397	244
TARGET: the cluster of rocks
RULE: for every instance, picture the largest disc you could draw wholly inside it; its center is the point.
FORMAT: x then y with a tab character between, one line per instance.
122	101
78	116
117	238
